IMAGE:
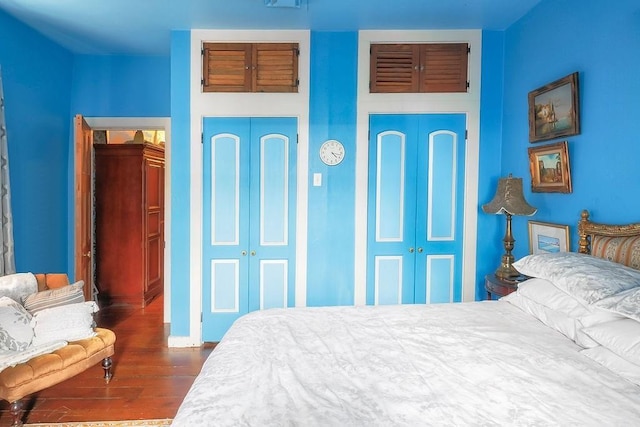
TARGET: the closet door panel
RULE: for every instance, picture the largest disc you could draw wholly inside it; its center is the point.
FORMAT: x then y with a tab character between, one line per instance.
391	207
226	157
248	218
415	208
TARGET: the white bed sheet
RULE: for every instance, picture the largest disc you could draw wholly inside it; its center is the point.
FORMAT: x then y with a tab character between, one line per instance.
481	363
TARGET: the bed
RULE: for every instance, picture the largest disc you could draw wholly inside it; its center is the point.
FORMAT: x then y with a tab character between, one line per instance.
564	349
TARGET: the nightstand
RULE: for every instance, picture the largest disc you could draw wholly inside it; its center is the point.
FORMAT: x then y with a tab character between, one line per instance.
501	287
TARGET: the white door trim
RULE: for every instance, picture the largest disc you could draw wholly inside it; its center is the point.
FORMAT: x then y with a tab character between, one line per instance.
468	103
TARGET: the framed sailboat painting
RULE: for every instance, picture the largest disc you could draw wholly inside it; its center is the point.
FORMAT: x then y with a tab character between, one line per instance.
554	109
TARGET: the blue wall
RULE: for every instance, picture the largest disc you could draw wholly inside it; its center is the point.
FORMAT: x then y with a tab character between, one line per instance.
115	86
332	115
45	86
601	41
121	86
36	75
491	228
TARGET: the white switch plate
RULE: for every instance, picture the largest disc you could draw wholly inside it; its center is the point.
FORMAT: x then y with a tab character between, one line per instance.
317	179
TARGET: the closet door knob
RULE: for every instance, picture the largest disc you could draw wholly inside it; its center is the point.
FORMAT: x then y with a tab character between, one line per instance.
411	250
244	253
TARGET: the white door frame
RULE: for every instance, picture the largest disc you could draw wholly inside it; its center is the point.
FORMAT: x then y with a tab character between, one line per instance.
419	103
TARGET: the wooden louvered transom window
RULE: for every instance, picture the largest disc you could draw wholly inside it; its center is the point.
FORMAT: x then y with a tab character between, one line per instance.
250	67
417	68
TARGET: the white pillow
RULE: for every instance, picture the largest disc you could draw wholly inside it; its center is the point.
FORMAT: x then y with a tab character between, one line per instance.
588	278
16	332
555	319
615	363
17	286
546	293
625	303
621	337
70	322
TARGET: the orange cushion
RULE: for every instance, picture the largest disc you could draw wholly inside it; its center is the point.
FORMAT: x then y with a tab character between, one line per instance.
51	280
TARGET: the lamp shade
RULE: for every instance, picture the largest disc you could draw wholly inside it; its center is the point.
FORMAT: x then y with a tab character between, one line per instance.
509	198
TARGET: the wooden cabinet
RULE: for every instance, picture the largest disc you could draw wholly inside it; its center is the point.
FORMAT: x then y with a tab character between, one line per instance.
129	209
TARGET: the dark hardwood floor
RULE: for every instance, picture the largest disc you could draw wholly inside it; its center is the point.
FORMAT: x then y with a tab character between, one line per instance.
149	379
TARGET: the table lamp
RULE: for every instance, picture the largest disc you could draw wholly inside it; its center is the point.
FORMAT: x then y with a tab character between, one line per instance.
509	199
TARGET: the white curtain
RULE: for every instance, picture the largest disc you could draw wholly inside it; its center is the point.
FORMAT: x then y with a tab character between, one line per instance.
7	258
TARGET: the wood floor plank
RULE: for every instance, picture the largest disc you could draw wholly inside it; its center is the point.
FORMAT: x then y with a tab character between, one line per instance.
150	379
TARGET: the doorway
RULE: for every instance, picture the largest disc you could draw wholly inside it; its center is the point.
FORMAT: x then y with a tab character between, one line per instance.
125	123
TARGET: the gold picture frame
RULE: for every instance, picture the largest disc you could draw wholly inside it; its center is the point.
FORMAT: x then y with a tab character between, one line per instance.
546	237
554	109
550	169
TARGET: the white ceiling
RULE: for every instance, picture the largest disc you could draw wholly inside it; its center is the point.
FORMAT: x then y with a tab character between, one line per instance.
142	27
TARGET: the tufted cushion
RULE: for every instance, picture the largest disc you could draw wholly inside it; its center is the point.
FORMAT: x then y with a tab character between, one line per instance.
51	280
49	369
623	250
12	358
16	332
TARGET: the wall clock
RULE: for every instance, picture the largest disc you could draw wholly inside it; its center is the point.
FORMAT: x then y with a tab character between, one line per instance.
332	152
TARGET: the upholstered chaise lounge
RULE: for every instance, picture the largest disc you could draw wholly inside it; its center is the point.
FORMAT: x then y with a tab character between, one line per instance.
46	370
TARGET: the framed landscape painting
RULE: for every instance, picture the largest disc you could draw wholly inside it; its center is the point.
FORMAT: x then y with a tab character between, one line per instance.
550	169
554	110
545	237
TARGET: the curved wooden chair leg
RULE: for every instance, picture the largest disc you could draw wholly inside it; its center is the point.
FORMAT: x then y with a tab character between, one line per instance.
106	365
16	413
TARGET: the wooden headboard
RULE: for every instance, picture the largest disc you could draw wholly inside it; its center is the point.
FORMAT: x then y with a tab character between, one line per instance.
618	243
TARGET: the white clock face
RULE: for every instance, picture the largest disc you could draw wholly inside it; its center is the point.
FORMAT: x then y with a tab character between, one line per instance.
331	152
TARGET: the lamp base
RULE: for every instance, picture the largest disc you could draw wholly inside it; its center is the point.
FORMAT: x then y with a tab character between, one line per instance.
506	269
507	272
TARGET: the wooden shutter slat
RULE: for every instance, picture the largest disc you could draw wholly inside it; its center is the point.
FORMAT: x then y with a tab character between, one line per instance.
276	67
444	67
226	67
414	68
250	67
393	68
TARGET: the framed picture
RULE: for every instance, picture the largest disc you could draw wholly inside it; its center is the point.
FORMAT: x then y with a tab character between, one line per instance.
554	110
545	237
550	170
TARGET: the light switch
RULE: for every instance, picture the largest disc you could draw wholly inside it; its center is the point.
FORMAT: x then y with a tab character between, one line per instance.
317	179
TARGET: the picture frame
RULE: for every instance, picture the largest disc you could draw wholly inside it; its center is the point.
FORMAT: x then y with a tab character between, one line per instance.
546	237
550	168
554	109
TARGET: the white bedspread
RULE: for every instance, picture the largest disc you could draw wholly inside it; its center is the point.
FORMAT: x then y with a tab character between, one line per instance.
470	364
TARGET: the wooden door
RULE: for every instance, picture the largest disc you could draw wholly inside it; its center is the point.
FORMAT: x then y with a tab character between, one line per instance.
249	192
415	208
83	205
